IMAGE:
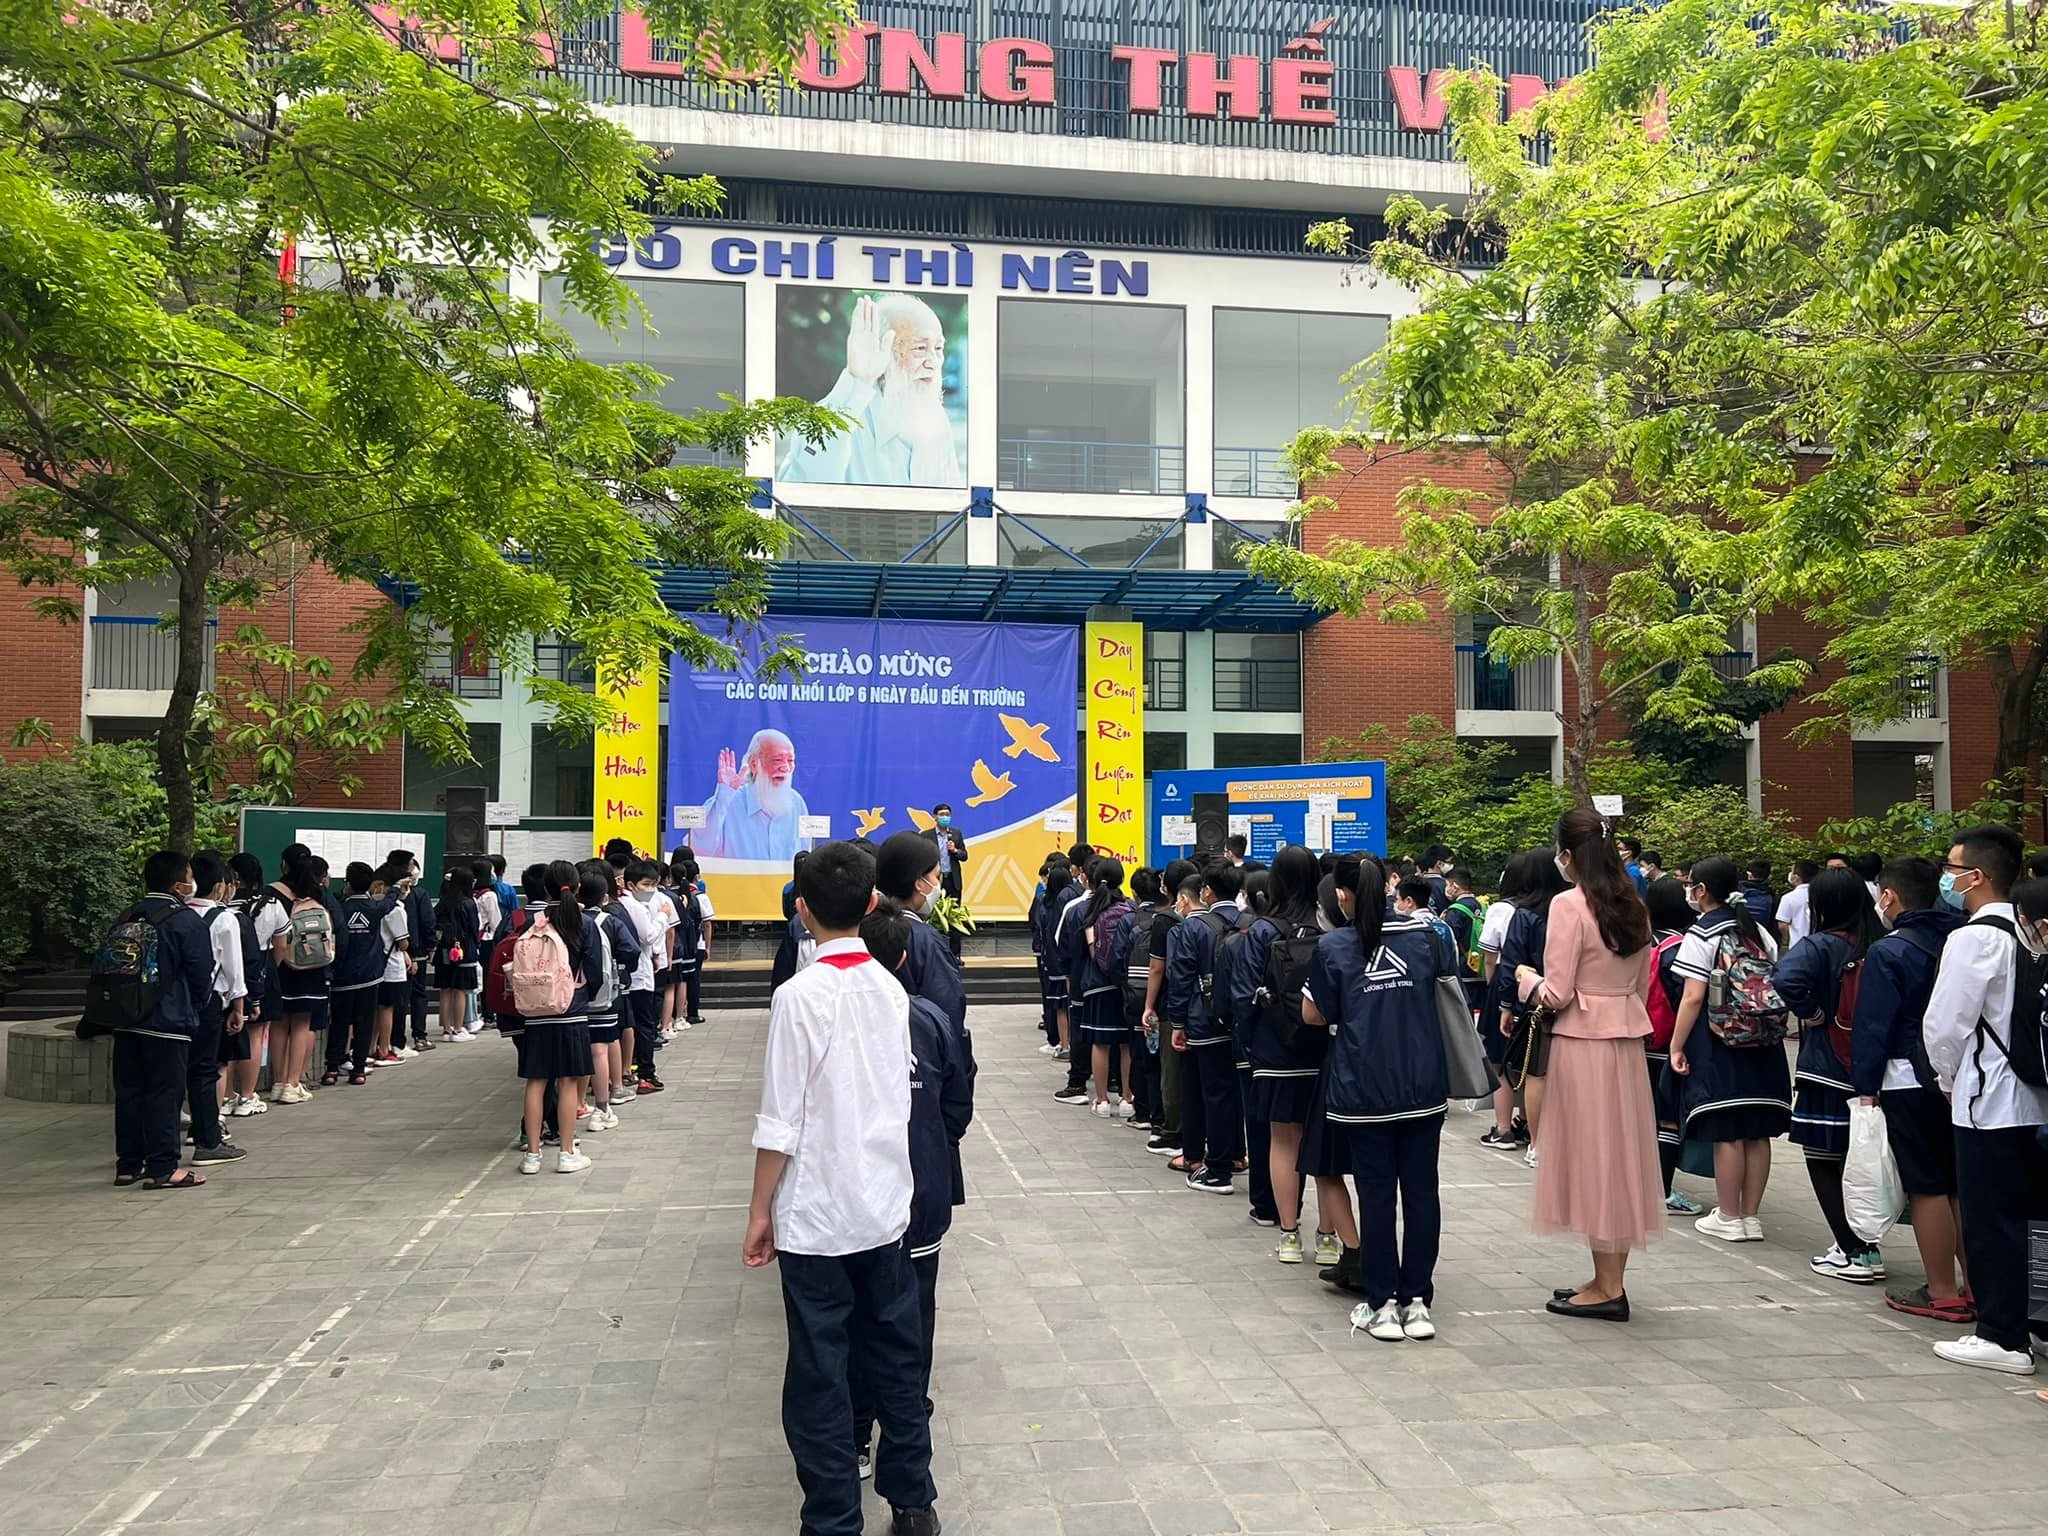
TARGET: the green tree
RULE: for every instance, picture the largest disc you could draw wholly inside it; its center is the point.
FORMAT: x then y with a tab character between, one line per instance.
272	732
170	409
1548	361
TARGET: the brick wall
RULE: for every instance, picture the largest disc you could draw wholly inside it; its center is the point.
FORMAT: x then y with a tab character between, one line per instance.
41	664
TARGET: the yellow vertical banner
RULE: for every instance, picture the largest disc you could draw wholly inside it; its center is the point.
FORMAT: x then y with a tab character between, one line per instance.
624	802
1113	798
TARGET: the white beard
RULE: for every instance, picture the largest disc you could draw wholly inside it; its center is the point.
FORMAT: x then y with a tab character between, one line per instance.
775	799
913	410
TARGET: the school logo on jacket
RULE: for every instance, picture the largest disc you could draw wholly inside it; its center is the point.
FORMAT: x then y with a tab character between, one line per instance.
360	921
1386	966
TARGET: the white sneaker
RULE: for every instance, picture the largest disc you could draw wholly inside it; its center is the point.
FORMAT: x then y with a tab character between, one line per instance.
529	1162
571	1162
253	1104
1128	1110
590	1121
611	1121
1384	1324
1973	1349
1048	1050
1752	1229
281	1093
1529	1158
1729	1229
1415	1321
1104	1110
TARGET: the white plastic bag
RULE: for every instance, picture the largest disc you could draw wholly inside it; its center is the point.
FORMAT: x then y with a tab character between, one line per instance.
1871	1192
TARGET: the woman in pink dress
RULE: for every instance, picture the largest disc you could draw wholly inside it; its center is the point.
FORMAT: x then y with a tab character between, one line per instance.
1598	1175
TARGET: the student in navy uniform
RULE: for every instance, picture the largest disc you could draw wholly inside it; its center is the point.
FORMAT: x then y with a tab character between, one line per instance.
941	1109
595	885
907	873
457	944
831	1201
557	1046
1373	985
1055	888
1737	1097
1889	1068
1671	919
1325	1148
220	1013
261	913
1166	1128
1095	995
303	991
1811	978
1283	1069
1212	1107
419	922
1135	945
1758	896
150	1056
359	957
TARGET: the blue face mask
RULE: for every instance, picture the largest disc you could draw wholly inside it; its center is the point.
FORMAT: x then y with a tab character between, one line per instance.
1949	894
945	821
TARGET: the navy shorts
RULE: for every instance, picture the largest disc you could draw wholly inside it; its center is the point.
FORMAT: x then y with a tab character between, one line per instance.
1923	1139
395	994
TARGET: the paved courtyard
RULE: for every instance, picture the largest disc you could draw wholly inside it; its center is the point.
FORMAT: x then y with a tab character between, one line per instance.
375	1324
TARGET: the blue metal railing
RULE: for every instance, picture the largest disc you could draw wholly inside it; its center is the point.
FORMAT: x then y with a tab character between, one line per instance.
1052	464
1257	683
1486	682
137	651
1254	472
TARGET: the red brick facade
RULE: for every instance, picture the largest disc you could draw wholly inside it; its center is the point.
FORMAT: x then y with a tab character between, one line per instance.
41	673
1360	672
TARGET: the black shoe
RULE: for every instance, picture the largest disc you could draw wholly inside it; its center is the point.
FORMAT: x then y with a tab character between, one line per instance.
866	1463
693	1018
1072	1094
1499	1143
1344	1273
914	1522
1208	1183
226	1152
1263	1221
1520	1130
1615	1311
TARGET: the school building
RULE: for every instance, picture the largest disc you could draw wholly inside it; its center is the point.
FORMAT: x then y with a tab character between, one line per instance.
1052	260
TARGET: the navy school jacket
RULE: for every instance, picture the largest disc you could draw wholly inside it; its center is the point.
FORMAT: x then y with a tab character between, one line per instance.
625	940
1257	1043
359	952
1191	956
1386	1059
930	971
1898	979
184	959
941	1109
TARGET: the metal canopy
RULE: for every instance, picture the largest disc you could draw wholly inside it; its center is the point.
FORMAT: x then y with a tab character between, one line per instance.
998	594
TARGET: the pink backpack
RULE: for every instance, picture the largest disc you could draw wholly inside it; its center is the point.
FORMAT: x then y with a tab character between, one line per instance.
1663	1016
543	981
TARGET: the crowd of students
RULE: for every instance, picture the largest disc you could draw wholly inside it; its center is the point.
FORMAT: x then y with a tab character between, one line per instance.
1282	1023
215	974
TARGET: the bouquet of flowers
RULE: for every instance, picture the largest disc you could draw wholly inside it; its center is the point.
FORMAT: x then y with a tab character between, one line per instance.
950	915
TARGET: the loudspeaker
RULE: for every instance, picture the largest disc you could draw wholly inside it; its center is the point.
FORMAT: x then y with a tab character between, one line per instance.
1212	823
465	836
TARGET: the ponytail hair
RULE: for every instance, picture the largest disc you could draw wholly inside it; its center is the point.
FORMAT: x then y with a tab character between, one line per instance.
1596	865
1105	885
564	911
1369	901
1720	877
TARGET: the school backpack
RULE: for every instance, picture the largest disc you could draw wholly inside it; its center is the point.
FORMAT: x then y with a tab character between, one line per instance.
1743	1006
255	954
1848	988
1663	1011
1288	960
309	940
1224	934
542	980
605	993
498	970
689	925
125	982
1474	908
2025	1047
1103	936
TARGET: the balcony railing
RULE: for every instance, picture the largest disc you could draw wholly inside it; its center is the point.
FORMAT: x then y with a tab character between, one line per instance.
1258	683
465	671
1733	666
1254	472
1166	682
137	651
564	662
1045	464
1920	691
1486	682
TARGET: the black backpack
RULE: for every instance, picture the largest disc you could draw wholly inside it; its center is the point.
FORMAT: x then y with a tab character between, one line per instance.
126	982
1288	960
1222	931
256	966
2027	1029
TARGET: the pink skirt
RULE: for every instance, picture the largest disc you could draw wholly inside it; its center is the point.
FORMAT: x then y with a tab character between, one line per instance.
1596	1163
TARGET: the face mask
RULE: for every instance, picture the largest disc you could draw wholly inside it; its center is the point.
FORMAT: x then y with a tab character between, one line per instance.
1693	901
639	895
924	902
1558	860
1950	896
2035	936
945	821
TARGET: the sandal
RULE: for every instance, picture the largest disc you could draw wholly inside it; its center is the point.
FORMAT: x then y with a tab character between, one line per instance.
357	1079
1182	1165
123	1180
184	1178
329	1079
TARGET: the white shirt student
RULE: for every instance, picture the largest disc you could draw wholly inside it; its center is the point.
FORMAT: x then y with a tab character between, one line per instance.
651	927
487	913
835	1099
1796	914
392	935
1978	966
230	981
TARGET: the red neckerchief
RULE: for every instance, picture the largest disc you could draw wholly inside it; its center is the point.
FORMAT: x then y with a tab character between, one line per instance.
845	962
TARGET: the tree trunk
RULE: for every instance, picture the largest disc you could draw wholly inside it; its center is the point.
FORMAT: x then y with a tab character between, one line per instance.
2013	686
174	735
1582	731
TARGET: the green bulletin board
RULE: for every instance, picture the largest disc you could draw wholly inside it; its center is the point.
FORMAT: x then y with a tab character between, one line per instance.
268	830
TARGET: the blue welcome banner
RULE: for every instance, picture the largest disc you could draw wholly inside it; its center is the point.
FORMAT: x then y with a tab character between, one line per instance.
888	719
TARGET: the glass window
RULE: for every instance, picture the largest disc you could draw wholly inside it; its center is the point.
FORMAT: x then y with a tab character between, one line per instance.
1165	751
1233	548
692	333
1106	543
1278	371
1246	749
883	538
1091	397
427	782
1258	672
564	773
1166	669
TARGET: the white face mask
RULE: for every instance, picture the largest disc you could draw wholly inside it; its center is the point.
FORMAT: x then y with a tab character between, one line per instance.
638	894
1562	869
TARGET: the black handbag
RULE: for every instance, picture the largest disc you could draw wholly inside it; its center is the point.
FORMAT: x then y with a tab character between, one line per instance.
1528	1052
